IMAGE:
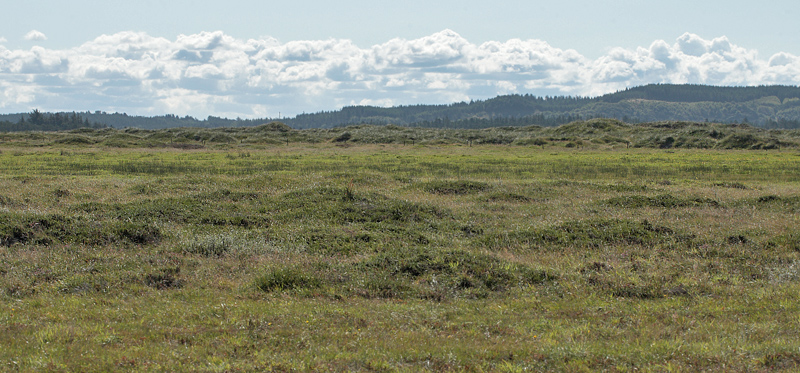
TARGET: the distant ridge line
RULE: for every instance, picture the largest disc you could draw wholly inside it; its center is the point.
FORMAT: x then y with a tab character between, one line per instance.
768	106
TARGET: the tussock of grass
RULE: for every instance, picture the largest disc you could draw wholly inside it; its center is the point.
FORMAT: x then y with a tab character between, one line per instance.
439	274
52	228
81	284
344	205
630	281
75	140
286	279
771	201
6	201
457	187
165	279
204	210
506	197
781	361
420	272
662	200
214	245
732	185
347	222
788	241
592	233
331	241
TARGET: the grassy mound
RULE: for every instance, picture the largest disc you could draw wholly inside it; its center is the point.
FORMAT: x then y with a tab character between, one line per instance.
423	273
592	233
22	228
455	187
662	200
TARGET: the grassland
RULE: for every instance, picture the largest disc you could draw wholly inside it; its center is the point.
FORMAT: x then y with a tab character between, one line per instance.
364	256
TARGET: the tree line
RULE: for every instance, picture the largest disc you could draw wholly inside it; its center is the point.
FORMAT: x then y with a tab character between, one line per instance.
39	121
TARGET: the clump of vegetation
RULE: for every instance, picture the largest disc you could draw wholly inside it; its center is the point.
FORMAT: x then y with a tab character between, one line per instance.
53	228
344	137
370	220
740	141
327	240
287	279
456	187
273	126
199	209
75	140
732	185
440	274
214	245
791	203
418	272
344	205
165	279
590	233
789	241
506	197
661	200
6	201
538	141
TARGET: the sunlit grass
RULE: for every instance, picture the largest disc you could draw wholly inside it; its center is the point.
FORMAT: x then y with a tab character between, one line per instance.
390	257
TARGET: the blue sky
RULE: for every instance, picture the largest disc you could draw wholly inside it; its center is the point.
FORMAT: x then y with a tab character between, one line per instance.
258	58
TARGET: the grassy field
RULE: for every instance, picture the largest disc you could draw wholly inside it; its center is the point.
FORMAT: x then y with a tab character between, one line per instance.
389	257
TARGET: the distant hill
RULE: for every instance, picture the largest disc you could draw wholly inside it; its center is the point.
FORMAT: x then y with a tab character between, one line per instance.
701	93
764	106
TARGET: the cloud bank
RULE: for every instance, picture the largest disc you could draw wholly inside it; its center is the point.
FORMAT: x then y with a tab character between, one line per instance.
212	73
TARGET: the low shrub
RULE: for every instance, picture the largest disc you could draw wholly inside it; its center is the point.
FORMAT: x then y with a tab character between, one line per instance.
457	187
287	279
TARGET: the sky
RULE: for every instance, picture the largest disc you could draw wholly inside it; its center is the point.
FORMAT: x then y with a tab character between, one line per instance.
258	59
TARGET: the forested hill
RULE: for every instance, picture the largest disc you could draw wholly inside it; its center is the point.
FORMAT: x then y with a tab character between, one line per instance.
765	106
700	93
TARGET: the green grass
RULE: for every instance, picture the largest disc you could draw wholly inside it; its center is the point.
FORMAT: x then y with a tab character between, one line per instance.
353	256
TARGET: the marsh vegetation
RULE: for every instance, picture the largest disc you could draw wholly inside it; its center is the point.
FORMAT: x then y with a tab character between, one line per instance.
229	250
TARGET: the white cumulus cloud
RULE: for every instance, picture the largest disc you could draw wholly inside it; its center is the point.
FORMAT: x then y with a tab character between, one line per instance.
35	35
212	73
